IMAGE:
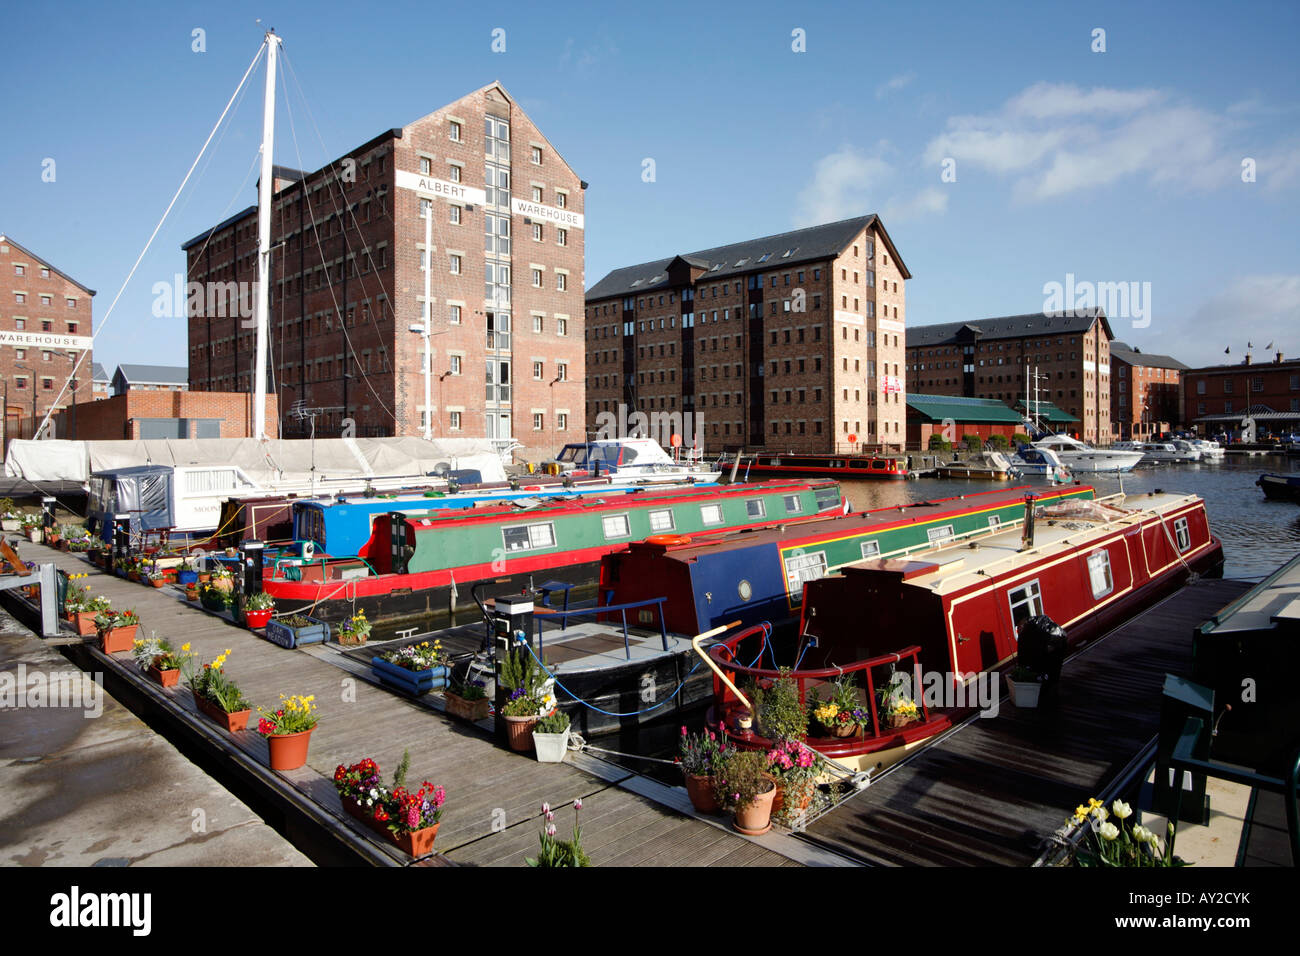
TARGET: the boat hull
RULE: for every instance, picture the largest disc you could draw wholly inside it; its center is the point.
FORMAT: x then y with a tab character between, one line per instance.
1280	487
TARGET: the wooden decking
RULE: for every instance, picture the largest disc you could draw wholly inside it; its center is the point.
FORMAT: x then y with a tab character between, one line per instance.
494	796
995	789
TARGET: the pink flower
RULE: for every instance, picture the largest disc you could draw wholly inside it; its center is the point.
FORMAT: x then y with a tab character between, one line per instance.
550	829
577	804
546	808
550	815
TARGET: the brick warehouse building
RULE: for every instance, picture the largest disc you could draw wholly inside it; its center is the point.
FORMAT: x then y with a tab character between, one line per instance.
45	327
1221	397
986	358
1145	397
787	342
347	268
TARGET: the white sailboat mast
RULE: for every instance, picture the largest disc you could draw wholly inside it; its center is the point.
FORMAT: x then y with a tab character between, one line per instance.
265	187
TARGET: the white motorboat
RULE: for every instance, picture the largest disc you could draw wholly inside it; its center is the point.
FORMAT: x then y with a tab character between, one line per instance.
1083	458
1169	451
1040	462
1210	450
628	459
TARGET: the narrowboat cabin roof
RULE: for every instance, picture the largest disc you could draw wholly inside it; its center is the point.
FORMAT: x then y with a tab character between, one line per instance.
1059	529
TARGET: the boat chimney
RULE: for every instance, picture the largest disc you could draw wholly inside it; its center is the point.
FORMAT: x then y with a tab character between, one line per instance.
1247	362
1278	358
1027	527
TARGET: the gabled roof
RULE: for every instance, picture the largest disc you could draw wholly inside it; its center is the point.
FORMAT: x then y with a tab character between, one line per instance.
752	255
960	408
1008	327
97	373
154	374
44	262
1121	351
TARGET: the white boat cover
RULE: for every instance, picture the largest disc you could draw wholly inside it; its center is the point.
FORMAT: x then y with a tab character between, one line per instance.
267	463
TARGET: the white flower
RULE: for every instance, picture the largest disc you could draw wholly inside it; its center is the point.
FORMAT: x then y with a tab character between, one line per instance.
1109	831
550	829
1141	834
1122	809
1100	814
577	804
546	808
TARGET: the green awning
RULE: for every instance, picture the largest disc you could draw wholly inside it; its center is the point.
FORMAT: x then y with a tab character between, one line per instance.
957	408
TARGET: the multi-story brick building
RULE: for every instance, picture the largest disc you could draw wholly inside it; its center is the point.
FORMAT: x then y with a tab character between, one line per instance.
45	328
788	342
1144	393
348	284
1230	398
987	358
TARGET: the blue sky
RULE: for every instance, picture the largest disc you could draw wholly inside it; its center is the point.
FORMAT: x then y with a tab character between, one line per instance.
1115	166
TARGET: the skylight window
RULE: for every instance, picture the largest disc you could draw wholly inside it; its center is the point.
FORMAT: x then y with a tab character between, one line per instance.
716	267
742	262
637	283
789	252
764	257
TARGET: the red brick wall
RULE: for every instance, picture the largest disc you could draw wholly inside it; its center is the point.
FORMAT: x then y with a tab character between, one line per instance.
118	417
1279	389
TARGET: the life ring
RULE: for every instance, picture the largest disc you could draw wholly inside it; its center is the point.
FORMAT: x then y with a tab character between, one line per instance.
668	540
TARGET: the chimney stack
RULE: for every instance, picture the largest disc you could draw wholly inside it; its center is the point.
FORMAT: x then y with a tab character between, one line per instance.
1247	362
1278	358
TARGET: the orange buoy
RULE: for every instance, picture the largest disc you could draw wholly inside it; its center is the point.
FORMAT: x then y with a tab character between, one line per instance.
668	540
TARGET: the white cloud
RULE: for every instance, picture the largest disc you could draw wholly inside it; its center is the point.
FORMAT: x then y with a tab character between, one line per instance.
843	184
1258	309
1058	138
932	201
894	84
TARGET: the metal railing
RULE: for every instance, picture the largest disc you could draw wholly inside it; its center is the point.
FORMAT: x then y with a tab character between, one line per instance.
1182	759
599	609
807	678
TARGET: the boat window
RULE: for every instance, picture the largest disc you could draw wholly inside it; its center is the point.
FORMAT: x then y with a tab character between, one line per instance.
711	514
793	505
1026	601
939	534
879	465
616	526
574	453
1183	534
870	549
1099	573
995	521
828	499
205	482
528	537
800	568
755	508
661	521
858	463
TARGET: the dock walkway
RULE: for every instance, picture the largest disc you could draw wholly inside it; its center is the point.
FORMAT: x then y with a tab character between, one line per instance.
494	796
994	790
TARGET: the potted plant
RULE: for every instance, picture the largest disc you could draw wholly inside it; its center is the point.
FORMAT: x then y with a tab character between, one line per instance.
1121	844
741	783
9	517
897	707
116	630
186	574
1024	684
155	656
215	694
288	730
414	669
555	853
551	738
157	579
32	528
841	714
296	629
796	770
779	711
214	598
409	820
355	630
523	677
468	700
698	755
258	609
87	609
192	591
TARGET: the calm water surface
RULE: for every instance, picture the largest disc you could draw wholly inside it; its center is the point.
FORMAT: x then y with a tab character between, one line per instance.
1258	535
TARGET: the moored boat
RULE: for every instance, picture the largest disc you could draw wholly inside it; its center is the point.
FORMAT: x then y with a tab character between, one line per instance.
992	466
641	459
888	467
1083	458
1280	487
954	613
417	562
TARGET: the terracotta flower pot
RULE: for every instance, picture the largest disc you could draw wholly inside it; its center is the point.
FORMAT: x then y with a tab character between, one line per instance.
474	710
118	640
85	621
168	678
157	582
779	804
191	594
519	732
258	619
289	751
232	722
700	790
416	843
756	819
